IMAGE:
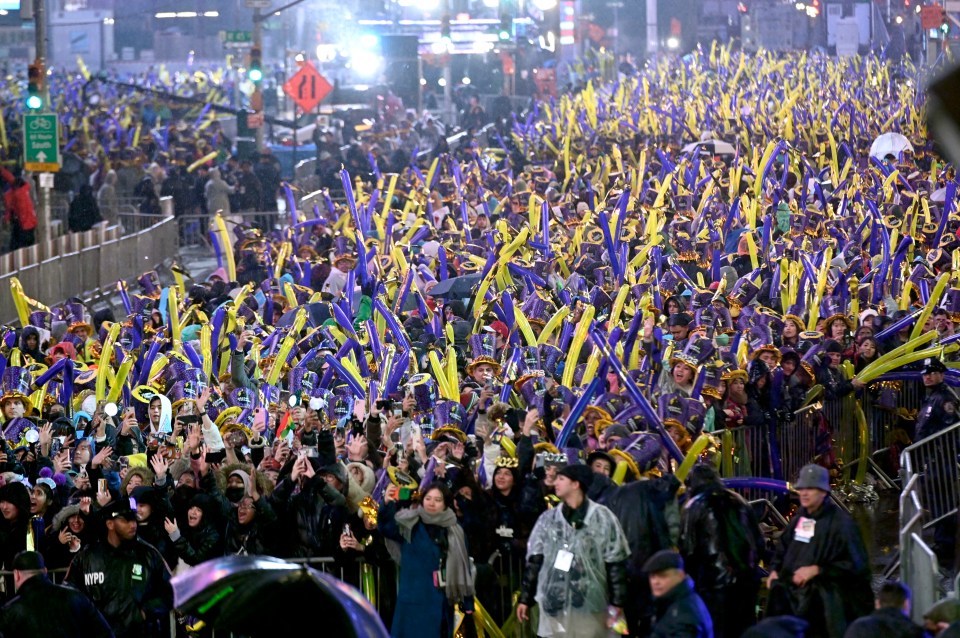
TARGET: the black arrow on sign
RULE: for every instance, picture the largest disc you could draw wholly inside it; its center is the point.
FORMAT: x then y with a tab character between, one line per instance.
313	86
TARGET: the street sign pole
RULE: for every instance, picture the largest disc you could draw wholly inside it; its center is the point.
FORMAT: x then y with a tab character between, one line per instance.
43	193
257	98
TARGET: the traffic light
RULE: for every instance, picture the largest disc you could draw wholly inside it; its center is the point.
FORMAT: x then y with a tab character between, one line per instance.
255	71
506	27
35	73
445	31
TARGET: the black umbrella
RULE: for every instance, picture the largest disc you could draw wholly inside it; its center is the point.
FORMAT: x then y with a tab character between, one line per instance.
317	313
456	287
264	596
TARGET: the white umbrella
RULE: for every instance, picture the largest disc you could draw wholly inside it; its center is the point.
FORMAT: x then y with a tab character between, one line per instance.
890	144
710	147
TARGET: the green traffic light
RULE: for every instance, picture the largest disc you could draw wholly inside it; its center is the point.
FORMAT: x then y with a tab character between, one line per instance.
504	35
34	102
255	75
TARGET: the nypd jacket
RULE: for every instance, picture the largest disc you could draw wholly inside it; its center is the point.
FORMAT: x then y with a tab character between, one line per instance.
122	581
939	411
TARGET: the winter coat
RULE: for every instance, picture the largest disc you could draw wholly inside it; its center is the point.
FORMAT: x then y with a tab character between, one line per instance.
681	614
35	353
107	197
217	193
56	554
153	533
643	510
84	211
197	544
41	608
315	516
844	583
122	582
13	536
258	537
422	608
18	202
721	541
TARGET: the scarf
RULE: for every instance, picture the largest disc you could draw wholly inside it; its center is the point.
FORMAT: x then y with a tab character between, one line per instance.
460	571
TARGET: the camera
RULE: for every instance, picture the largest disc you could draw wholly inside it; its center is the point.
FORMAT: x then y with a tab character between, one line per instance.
384	404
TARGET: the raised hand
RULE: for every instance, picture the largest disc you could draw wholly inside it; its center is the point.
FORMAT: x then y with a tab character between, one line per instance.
357	448
159	465
102	455
202	400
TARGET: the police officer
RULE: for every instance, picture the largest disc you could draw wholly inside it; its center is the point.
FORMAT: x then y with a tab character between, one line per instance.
939	409
124	576
41	608
938	412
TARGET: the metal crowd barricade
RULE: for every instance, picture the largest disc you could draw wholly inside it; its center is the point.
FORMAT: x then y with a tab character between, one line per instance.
500	596
919	567
84	264
797	440
743	452
932	464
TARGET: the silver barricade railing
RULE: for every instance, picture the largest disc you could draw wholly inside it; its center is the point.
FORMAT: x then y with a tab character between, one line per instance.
919	567
882	420
743	451
500	604
195	229
797	439
84	264
933	462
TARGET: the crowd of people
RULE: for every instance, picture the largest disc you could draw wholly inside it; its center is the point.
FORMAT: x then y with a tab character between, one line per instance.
513	370
132	140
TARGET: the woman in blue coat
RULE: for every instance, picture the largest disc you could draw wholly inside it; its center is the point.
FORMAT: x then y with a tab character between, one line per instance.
435	568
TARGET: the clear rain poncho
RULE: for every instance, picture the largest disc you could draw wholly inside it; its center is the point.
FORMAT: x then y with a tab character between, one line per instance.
572	590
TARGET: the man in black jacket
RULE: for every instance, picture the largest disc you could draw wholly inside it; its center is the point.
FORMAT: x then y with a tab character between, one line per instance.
721	544
891	618
41	608
648	515
821	571
125	577
680	611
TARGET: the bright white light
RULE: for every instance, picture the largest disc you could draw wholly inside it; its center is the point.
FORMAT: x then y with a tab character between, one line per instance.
465	80
491	4
326	52
211	14
812	11
673	43
423	81
369	40
545	5
365	63
165	14
298	58
108	20
899	19
442	82
186	14
919	8
800	6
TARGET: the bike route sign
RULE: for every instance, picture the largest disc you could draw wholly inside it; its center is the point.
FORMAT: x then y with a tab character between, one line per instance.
41	142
